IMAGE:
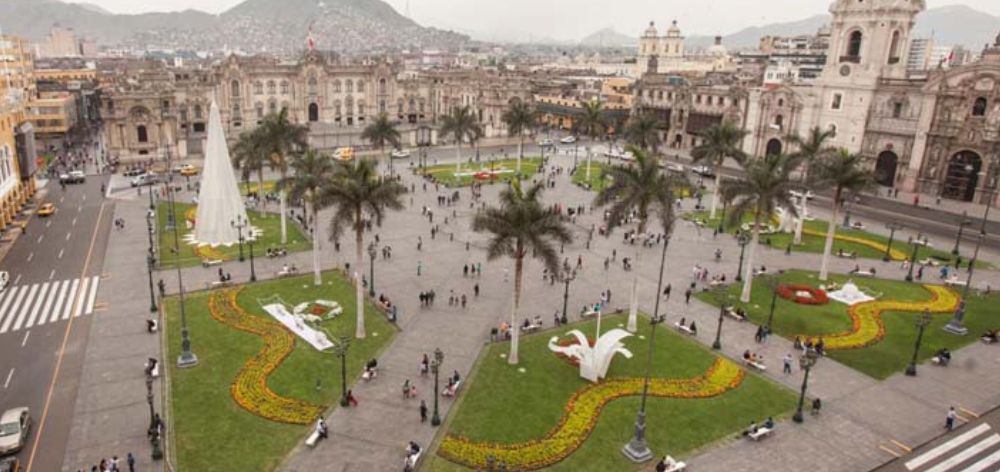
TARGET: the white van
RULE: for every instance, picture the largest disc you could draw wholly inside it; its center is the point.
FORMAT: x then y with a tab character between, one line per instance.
145	179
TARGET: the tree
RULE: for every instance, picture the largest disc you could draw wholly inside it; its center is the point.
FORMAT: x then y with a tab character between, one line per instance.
642	187
643	131
718	143
312	172
846	174
764	188
357	193
810	149
520	119
380	132
250	155
462	124
521	225
593	123
282	138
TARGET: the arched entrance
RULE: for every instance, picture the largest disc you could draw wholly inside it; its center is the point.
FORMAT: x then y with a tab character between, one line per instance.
962	176
885	168
773	147
313	112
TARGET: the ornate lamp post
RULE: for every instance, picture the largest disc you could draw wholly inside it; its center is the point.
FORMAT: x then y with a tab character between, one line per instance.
340	350
913	261
150	261
239	223
774	284
187	357
253	273
961	225
922	321
806	362
154	431
955	326
371	281
742	240
436	368
566	276
892	227
721	296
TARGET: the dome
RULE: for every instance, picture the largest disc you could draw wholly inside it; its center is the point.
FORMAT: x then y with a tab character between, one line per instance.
673	31
717	49
650	31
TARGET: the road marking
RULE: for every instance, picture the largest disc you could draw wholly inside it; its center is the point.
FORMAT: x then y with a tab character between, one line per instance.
984	464
948	446
8	296
52	274
59	302
24	309
966	454
901	445
62	349
93	296
78	307
31	256
84	197
25	340
61	199
9	375
61	253
79	209
74	221
38	306
69	301
17	279
48	223
13	308
68	235
40	238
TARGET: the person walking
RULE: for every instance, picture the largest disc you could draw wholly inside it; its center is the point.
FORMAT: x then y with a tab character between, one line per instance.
787	361
687	297
419	266
759	335
666	292
423	411
130	460
949	420
475	289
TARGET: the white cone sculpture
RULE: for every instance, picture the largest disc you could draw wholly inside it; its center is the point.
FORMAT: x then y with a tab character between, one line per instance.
219	201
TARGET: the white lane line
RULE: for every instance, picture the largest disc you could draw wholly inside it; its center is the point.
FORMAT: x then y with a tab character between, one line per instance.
29	302
7	297
48	303
79	209
38	306
92	296
40	238
68	235
25	340
61	199
13	308
84	197
966	454
948	446
74	221
62	295
69	301
984	464
52	274
9	375
61	253
82	296
31	256
17	279
48	223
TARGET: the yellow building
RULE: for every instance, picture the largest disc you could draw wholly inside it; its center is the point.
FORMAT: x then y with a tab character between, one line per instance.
562	112
17	87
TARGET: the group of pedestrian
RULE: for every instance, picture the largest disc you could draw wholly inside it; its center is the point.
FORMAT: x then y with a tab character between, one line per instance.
120	224
427	298
113	465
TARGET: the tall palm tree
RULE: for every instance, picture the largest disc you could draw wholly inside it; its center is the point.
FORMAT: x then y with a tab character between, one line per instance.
380	132
810	149
718	143
642	187
312	171
357	193
593	123
846	174
520	119
282	138
462	124
763	189
643	131
250	155
520	226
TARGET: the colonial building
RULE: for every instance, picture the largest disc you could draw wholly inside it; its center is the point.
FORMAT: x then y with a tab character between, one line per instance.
686	106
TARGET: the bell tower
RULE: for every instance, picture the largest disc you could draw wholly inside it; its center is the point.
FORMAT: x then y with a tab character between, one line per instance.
648	47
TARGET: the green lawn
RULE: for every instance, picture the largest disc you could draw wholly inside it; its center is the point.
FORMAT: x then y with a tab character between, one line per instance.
445	173
815	243
884	358
253	186
539	396
270	223
212	432
598	180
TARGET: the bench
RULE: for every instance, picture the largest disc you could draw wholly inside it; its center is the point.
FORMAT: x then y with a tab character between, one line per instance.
589	313
954	282
863	273
929	262
286	273
736	316
924	243
219	283
683	329
530	328
756	365
847	255
674	465
313	438
761	433
211	262
450	392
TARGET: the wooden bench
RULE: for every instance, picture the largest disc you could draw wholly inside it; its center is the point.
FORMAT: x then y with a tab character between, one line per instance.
954	282
674	465
211	262
683	329
736	316
761	433
451	392
313	438
286	273
847	255
756	365
929	262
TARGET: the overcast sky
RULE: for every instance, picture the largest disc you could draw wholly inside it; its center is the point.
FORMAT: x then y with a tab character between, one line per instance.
572	19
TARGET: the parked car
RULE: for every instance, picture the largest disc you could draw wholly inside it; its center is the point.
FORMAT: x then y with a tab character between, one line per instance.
14	427
704	171
73	177
343	154
545	142
568	139
10	464
47	209
399	153
145	179
189	170
133	171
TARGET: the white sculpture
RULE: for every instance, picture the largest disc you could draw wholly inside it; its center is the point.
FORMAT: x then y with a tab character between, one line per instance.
594	361
219	201
849	294
786	222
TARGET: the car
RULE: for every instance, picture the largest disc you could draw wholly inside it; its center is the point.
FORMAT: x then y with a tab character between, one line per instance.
10	464
704	171
189	170
145	179
15	424
545	142
399	153
47	209
73	177
343	154
568	139
133	172
675	167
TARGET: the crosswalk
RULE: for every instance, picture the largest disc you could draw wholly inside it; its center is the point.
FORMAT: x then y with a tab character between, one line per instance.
25	306
975	450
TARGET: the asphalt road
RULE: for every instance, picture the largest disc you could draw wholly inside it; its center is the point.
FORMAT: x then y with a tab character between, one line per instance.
972	447
53	271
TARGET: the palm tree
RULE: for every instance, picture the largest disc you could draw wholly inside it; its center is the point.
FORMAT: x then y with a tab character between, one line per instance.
381	132
357	193
642	187
462	124
810	149
592	122
312	172
845	173
718	143
250	155
643	130
521	225
282	138
520	118
765	187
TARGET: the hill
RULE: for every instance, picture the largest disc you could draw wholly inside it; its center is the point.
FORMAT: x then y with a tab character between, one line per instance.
608	37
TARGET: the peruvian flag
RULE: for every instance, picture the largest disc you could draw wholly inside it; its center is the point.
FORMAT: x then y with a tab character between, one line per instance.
310	42
947	59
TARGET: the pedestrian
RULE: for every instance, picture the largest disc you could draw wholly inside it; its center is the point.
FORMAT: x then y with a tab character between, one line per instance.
787	361
687	297
666	292
423	411
130	460
463	300
420	242
609	295
163	288
475	289
465	270
419	266
949	421
506	274
759	335
350	399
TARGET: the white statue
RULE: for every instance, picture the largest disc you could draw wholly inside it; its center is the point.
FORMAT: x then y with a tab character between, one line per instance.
786	221
594	361
849	294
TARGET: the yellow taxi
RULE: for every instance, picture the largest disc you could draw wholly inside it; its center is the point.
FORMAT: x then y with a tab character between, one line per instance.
343	154
189	170
46	209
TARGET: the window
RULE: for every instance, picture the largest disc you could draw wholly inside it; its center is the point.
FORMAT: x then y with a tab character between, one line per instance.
349	86
258	88
779	121
272	106
234	87
197	112
141	134
381	106
781	102
270	87
199	127
336	86
894	48
284	87
260	109
833	130
360	86
381	86
979	107
837	99
399	106
897	109
311	87
854	45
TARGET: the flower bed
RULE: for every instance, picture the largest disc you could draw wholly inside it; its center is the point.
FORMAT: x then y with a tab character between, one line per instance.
894	254
803	294
250	389
580	416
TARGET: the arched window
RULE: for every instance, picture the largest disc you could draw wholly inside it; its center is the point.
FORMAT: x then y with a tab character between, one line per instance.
781	102
284	87
141	135
272	106
313	112
381	86
234	87
336	86
349	86
399	106
894	48
854	45
258	88
979	107
360	86
349	106
197	112
270	87
779	121
311	86
361	108
260	109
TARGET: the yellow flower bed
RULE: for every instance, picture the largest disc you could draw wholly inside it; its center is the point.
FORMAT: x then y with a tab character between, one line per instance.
867	327
894	254
580	417
250	389
208	252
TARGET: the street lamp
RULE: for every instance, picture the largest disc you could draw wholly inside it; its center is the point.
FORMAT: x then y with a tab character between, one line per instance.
371	281
722	221
567	275
922	321
955	325
253	273
913	261
436	368
150	261
340	350
806	362
774	283
742	240
721	296
961	225
892	227
187	357
154	431
239	223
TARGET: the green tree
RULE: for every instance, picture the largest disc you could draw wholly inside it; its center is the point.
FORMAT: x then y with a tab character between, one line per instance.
643	131
592	122
641	186
312	172
282	138
357	193
250	155
462	124
381	132
763	189
810	149
718	143
519	226
520	119
847	175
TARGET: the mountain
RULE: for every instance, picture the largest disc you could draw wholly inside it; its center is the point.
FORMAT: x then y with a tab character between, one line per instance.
94	8
608	37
